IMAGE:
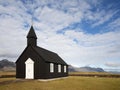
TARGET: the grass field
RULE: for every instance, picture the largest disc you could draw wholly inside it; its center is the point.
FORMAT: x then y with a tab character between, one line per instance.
100	73
7	73
70	83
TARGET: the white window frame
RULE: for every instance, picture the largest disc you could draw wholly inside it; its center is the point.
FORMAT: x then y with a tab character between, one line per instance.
51	67
65	69
59	68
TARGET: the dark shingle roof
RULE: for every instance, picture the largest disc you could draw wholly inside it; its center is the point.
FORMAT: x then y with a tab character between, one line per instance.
31	33
49	56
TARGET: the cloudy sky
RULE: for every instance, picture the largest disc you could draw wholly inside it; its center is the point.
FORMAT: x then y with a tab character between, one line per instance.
82	32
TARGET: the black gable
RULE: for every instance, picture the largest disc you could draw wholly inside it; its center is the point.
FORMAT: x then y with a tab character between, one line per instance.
49	56
31	33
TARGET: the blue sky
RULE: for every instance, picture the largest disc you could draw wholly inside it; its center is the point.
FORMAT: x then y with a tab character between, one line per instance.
82	32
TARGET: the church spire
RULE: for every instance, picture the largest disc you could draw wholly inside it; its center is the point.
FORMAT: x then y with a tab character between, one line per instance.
31	33
31	37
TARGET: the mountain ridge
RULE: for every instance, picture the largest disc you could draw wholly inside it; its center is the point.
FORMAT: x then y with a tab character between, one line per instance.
84	69
6	65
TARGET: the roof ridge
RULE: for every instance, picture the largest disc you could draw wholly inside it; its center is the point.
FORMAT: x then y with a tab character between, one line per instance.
46	50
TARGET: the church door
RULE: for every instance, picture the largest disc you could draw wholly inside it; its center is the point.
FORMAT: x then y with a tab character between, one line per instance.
29	69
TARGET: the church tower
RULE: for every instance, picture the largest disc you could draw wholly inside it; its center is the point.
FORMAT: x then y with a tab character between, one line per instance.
31	37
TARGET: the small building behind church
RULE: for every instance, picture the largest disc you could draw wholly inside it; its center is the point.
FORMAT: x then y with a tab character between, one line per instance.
38	63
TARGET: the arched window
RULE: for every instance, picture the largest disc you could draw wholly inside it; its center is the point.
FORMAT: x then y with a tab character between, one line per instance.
65	69
59	68
51	67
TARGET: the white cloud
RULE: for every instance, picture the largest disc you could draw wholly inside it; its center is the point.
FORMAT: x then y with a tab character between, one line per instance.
75	47
54	19
99	16
112	64
90	49
115	25
104	18
52	16
94	40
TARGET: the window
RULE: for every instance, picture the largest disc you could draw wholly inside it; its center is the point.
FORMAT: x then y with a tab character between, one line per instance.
59	68
51	67
65	69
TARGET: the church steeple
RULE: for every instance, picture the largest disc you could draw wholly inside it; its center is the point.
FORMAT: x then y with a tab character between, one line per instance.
31	37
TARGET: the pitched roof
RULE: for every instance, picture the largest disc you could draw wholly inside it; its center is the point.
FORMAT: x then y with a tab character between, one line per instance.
31	33
49	56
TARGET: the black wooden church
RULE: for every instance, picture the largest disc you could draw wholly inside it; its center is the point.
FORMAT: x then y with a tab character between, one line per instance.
38	63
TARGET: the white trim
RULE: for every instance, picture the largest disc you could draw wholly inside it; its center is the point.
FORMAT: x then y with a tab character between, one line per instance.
65	69
51	67
29	69
59	68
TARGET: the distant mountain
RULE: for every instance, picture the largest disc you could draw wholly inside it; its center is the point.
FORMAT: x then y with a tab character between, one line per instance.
72	68
90	69
114	72
6	65
84	69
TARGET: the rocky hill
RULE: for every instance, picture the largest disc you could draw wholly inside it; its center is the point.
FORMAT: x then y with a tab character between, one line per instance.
84	69
6	65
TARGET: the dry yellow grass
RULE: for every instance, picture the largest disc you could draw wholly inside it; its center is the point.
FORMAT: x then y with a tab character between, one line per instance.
100	73
7	73
70	83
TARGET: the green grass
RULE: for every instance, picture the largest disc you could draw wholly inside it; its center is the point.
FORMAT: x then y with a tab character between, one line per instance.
70	83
